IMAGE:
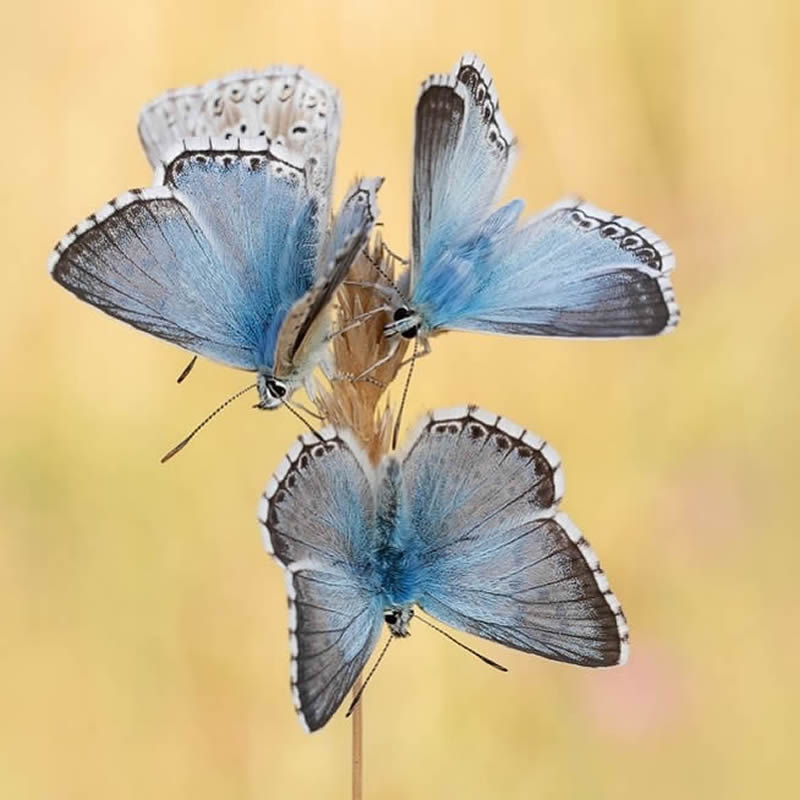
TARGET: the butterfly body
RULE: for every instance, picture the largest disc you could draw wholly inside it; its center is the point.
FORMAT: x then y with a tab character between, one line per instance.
464	525
394	549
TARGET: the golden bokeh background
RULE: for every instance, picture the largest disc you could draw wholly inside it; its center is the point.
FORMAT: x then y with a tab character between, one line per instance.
143	629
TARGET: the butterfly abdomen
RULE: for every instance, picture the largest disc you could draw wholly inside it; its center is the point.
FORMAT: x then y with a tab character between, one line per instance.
398	575
394	562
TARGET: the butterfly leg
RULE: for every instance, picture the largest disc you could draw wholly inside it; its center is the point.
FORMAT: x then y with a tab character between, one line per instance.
328	372
356	321
381	361
365	376
386	291
387	249
348	376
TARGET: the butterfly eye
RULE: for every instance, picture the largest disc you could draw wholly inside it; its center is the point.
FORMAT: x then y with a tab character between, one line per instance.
276	389
390	617
404	313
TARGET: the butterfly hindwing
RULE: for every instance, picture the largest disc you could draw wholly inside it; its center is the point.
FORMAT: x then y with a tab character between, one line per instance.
574	271
497	559
289	105
316	514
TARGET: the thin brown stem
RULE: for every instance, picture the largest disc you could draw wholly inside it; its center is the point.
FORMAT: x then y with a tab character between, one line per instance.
357	744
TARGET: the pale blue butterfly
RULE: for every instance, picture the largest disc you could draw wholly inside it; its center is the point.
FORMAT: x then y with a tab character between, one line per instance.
573	270
231	254
465	524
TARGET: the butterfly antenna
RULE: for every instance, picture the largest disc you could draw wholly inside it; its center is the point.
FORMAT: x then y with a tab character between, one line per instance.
302	419
186	370
178	447
371	673
396	431
379	269
461	644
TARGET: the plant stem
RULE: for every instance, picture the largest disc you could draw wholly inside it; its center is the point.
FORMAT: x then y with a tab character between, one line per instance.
358	763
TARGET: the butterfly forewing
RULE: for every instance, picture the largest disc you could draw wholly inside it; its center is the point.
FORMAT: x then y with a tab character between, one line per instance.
145	259
463	151
441	109
497	559
258	209
213	260
316	516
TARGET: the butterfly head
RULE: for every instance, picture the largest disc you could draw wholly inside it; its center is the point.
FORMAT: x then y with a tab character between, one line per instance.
397	618
405	322
271	392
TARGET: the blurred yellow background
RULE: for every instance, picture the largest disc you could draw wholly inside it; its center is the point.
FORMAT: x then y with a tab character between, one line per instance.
143	628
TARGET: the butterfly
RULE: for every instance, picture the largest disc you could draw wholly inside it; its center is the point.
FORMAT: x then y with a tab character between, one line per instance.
231	254
573	270
465	525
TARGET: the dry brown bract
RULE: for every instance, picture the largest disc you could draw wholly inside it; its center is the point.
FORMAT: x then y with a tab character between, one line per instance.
349	403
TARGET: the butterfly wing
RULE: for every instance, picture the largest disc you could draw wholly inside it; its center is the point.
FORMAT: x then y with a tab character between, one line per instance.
212	260
305	326
357	215
497	559
135	259
291	106
573	271
317	517
463	151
